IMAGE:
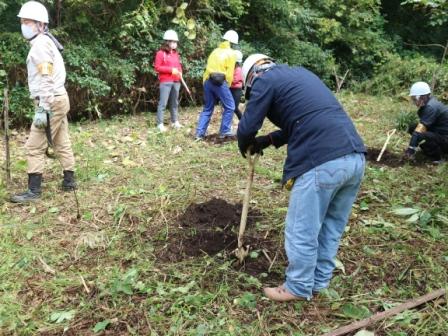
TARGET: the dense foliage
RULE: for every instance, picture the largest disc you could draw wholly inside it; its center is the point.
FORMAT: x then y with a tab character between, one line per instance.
110	45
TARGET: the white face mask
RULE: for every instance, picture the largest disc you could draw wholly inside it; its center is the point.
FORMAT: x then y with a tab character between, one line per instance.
173	45
27	31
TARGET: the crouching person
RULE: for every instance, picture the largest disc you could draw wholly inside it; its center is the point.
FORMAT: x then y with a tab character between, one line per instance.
46	79
431	133
323	169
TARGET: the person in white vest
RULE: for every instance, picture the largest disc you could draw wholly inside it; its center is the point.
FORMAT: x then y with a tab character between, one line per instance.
46	80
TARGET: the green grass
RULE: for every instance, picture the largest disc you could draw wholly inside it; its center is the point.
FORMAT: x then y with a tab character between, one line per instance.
103	271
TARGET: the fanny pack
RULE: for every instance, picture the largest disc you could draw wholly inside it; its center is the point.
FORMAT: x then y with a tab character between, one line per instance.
217	78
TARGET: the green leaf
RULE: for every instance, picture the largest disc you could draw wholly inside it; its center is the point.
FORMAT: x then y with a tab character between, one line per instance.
356	312
413	219
339	265
365	333
101	326
254	254
53	210
191	35
363	206
169	9
191	24
184	5
61	316
404	211
246	301
180	13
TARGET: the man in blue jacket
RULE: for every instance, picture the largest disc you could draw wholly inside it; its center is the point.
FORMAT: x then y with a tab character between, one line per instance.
323	169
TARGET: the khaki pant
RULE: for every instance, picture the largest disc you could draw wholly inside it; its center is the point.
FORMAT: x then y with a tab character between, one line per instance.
37	141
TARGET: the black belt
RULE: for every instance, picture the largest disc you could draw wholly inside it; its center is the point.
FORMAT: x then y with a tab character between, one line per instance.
58	95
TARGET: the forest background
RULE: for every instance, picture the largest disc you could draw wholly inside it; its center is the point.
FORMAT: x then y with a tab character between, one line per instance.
381	46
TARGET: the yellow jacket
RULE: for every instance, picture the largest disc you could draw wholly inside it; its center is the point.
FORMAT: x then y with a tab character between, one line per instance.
222	60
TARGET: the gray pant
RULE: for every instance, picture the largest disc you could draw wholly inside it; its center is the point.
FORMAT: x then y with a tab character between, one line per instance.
169	94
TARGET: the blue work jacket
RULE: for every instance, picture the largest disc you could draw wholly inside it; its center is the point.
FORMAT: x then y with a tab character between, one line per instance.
311	121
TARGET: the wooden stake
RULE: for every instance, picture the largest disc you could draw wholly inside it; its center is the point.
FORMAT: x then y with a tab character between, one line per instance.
241	252
386	314
6	125
389	135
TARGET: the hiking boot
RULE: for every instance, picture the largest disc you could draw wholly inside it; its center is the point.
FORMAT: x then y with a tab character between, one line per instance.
33	192
68	183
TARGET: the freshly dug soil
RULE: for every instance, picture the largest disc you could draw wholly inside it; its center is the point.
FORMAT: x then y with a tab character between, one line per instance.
212	228
389	159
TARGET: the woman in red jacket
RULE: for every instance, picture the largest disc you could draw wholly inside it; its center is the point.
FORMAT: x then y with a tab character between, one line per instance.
236	88
167	65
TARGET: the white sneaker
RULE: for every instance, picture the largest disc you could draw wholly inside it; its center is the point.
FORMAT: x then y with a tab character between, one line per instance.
161	128
176	125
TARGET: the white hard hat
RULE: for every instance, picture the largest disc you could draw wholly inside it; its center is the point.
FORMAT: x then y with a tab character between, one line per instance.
170	35
34	10
231	36
420	89
239	56
250	62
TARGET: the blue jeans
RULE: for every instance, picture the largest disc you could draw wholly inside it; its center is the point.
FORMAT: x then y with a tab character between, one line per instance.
211	93
319	208
169	94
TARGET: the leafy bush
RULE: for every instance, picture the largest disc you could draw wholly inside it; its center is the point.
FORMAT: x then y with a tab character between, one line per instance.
397	73
404	119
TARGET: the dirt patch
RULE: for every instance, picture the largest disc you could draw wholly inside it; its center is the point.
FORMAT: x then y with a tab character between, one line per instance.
216	139
389	159
211	228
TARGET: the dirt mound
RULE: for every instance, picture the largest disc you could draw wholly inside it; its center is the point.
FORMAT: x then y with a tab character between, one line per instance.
211	228
215	139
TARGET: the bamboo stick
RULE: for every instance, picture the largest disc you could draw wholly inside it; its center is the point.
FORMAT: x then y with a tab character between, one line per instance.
386	314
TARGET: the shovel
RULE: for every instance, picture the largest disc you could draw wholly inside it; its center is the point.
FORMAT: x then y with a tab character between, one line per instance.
186	88
242	252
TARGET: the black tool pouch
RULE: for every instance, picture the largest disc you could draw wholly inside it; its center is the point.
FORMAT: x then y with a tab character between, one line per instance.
217	78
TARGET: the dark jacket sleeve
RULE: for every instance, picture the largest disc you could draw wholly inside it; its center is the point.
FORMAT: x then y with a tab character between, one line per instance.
261	98
428	118
279	138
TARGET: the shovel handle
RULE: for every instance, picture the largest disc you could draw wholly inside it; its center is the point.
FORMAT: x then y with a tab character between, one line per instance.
250	177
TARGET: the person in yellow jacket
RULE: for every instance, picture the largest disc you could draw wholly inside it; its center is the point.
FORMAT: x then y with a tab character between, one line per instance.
46	79
217	78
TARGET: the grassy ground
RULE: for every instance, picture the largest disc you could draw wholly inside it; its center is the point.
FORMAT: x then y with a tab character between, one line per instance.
103	274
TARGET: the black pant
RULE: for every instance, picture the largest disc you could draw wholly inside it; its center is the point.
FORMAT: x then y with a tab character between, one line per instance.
236	94
432	144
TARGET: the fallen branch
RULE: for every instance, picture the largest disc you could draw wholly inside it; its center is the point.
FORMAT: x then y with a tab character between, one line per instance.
386	314
389	135
47	268
84	284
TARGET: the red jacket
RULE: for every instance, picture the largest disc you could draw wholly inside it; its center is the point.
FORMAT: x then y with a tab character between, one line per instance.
237	82
164	64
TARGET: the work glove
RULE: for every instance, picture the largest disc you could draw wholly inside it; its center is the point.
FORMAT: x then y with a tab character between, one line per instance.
175	72
256	147
409	153
40	117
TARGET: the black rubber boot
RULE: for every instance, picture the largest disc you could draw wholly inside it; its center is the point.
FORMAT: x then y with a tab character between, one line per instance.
68	183
33	192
